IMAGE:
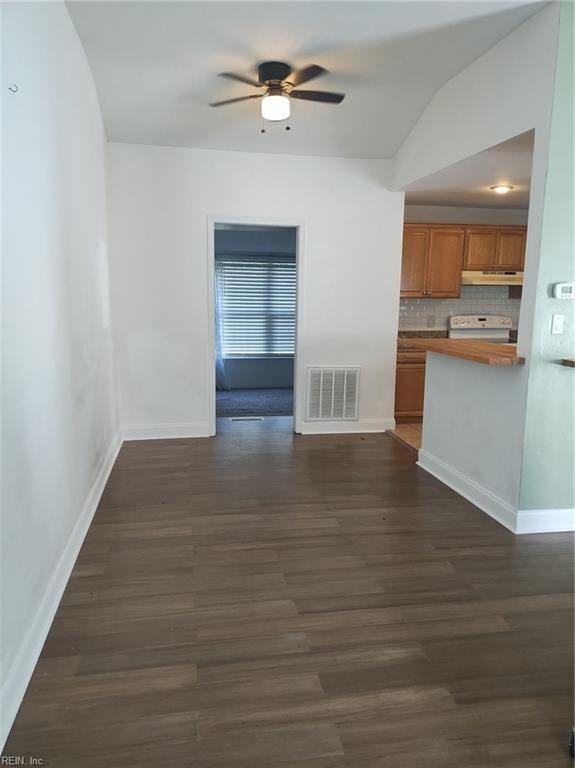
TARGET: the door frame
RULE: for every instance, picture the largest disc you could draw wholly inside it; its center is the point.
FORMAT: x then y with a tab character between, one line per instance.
298	384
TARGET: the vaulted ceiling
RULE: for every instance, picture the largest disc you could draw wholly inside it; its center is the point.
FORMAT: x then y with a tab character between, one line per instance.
156	67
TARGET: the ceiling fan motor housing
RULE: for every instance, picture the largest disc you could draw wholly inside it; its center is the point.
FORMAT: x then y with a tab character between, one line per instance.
273	71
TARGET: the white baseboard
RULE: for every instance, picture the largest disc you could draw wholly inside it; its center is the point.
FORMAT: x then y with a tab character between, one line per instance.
165	431
20	672
488	502
518	521
545	520
346	427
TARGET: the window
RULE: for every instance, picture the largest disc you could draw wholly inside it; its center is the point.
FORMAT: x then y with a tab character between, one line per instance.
255	298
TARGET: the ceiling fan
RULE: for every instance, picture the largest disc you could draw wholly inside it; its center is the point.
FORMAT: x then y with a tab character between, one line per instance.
280	84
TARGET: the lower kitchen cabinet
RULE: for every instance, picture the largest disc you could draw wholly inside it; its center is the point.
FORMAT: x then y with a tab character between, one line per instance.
409	388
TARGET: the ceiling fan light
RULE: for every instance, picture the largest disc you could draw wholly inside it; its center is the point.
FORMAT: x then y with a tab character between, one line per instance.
275	108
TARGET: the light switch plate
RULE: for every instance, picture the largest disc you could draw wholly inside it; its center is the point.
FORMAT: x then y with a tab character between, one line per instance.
557	324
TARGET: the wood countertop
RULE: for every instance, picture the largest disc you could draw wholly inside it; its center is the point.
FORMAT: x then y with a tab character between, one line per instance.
407	345
486	352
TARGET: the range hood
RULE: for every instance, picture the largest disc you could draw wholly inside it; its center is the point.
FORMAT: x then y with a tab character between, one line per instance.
492	278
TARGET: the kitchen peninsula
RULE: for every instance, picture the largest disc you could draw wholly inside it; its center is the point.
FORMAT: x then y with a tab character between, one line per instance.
471	349
474	394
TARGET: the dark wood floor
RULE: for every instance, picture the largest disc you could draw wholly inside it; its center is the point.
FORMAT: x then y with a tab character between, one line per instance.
261	600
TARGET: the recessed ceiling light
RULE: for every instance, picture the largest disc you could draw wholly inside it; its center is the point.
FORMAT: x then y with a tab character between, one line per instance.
502	189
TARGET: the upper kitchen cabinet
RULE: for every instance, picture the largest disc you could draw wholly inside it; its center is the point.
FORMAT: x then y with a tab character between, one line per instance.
494	248
414	261
511	249
444	264
480	248
432	261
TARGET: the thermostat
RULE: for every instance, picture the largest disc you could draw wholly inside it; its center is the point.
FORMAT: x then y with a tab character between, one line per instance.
564	291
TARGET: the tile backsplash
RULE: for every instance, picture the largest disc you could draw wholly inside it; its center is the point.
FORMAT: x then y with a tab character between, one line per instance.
420	314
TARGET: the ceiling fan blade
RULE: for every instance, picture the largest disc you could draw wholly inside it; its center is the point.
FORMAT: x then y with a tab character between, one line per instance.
233	101
305	75
241	79
324	96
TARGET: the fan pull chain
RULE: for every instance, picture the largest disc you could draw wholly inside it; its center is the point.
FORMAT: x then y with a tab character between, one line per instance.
263	130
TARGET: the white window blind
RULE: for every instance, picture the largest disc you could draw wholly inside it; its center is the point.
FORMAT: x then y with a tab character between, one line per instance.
256	304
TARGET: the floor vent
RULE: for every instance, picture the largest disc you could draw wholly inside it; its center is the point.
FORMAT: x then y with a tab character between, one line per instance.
332	394
246	418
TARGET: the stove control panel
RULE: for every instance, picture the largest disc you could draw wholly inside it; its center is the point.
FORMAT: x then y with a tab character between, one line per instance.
470	322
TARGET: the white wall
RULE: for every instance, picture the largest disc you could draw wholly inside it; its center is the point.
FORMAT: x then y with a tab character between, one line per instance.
505	92
450	214
159	203
547	496
502	94
59	430
470	449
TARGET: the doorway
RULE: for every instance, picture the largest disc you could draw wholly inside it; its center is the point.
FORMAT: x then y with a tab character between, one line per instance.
464	244
254	319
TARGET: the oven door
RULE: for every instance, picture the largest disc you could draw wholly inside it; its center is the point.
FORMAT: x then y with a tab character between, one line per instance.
497	335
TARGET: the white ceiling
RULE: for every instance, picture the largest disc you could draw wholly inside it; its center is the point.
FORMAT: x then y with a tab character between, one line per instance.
468	183
156	67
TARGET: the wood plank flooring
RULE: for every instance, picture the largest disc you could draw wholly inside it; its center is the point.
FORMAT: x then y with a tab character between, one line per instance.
263	600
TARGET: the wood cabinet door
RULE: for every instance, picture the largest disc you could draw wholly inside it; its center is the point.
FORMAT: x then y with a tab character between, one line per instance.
444	262
414	260
480	249
409	389
511	249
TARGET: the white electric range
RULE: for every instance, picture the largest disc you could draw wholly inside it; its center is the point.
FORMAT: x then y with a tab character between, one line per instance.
494	328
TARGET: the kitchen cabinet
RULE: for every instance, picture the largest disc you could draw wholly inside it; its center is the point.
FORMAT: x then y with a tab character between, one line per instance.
511	249
414	261
494	248
434	256
431	261
480	249
445	262
409	385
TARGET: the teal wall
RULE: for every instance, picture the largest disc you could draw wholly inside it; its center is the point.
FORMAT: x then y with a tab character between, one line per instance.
547	476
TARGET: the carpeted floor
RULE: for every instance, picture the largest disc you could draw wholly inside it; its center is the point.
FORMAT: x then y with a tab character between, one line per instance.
255	402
